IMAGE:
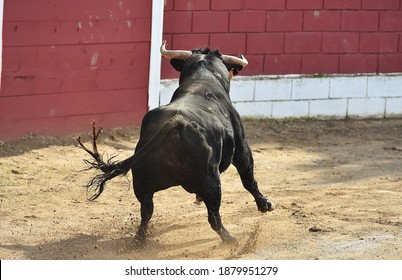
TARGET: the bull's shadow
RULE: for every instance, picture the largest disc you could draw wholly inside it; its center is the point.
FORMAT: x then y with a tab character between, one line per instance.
91	247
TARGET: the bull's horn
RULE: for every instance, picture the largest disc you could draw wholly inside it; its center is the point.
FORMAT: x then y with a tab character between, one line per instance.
235	60
174	54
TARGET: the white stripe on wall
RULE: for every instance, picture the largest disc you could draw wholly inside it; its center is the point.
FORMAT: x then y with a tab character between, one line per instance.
332	96
155	56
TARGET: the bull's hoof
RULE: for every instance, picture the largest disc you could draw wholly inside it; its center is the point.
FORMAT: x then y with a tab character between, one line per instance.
229	239
264	205
139	241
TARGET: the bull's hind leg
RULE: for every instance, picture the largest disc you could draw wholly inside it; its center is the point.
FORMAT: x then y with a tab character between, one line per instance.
244	163
147	209
212	199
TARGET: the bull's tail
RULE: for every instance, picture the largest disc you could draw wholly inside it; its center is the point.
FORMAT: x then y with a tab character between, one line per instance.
111	169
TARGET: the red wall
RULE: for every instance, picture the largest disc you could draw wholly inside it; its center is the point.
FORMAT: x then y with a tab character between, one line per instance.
66	62
291	36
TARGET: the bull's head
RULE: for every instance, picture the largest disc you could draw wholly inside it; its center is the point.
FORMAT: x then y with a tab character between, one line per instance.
179	57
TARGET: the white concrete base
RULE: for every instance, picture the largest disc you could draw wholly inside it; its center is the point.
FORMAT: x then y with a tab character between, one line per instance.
294	96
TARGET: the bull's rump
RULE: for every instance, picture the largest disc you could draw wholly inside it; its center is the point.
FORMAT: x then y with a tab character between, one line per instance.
188	151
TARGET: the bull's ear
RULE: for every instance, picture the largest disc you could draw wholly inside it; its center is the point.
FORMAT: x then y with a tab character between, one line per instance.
178	64
234	68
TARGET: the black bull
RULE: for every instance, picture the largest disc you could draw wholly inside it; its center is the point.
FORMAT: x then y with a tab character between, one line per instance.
188	142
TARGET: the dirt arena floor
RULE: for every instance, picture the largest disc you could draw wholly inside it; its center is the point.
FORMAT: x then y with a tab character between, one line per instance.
337	186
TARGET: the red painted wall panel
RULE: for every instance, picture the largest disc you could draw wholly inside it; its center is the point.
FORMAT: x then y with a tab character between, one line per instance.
207	22
340	42
303	42
342	4
62	125
81	80
177	22
230	42
247	21
71	104
381	5
258	65
320	63
304	4
390	63
192	5
77	56
391	21
378	42
227	4
189	41
295	36
358	63
265	43
400	43
67	32
360	21
26	10
322	20
282	63
265	5
66	62
284	21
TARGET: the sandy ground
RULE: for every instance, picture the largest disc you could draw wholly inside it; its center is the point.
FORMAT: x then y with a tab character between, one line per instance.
337	186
